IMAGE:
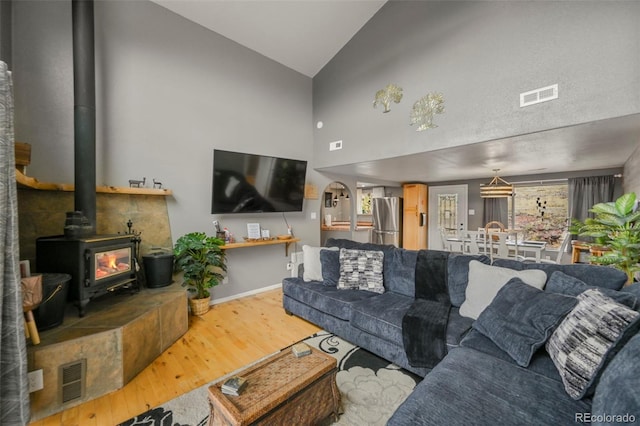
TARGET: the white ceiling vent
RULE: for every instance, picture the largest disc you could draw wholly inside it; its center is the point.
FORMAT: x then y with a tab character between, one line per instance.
536	96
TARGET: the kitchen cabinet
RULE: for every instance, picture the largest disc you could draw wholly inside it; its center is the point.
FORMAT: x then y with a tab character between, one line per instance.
414	231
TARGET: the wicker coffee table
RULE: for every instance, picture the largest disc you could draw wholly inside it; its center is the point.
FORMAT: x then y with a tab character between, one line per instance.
281	390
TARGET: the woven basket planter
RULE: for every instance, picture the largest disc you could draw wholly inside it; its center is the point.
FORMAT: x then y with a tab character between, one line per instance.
199	306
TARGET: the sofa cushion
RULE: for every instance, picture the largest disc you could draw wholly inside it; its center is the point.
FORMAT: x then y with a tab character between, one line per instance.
540	362
381	315
633	289
595	275
473	388
457	327
326	299
399	264
361	269
618	392
521	318
458	275
330	260
587	339
561	283
400	271
486	280
312	263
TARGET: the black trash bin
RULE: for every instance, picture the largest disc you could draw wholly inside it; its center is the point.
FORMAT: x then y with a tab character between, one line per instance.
50	312
158	268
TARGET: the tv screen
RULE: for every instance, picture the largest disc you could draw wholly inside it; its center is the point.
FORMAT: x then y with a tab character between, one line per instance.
248	183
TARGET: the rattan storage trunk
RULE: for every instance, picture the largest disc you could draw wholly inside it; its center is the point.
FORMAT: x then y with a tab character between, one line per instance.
281	390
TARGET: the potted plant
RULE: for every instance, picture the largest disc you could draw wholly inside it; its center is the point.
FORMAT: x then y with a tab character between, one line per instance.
616	226
202	261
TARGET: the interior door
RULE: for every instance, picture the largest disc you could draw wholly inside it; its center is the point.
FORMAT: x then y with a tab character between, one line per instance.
448	210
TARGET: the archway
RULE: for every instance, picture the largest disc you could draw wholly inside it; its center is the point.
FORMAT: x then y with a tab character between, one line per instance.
336	212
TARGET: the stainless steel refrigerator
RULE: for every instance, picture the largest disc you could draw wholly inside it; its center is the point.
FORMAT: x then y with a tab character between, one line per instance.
387	220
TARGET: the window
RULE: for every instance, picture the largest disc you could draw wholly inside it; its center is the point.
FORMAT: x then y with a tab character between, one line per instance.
541	211
363	201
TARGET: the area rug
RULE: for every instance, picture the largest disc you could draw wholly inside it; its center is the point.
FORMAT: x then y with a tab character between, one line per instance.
371	389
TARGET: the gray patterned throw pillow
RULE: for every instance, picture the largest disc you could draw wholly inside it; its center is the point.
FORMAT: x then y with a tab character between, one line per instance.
361	269
588	338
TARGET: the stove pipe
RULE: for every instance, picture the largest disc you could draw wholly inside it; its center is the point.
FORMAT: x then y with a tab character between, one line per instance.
84	112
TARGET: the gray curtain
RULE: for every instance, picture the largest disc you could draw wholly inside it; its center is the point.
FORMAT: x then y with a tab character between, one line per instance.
584	193
14	395
587	191
495	209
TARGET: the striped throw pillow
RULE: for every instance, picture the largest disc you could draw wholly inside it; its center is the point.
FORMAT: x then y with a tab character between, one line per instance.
588	338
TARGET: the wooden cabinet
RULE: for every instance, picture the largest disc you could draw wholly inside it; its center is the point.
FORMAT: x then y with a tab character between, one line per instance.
414	231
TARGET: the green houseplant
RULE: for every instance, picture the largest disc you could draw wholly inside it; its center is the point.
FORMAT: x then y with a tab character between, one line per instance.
616	225
202	261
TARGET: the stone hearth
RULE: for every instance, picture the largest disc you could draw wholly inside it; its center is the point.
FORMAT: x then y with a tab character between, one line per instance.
120	335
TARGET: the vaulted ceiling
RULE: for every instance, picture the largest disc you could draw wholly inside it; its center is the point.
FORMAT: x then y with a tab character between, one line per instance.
305	34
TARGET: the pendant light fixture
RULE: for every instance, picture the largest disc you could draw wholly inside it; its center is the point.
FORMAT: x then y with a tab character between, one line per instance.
497	188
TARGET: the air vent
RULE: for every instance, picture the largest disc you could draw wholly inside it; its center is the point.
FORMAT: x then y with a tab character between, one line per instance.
536	96
72	380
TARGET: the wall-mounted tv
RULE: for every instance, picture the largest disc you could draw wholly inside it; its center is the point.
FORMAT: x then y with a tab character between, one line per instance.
249	183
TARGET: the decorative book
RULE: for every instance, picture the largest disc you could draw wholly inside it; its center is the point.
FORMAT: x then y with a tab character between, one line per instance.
300	349
234	385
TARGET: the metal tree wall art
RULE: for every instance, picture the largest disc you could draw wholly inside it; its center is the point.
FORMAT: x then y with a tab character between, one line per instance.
424	109
384	97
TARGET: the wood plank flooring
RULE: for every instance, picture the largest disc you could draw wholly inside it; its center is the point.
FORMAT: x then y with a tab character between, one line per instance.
230	335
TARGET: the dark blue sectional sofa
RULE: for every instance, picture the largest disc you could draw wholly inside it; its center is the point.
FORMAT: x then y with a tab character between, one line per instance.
477	382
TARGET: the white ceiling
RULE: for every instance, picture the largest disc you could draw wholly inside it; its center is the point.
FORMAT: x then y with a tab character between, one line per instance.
305	34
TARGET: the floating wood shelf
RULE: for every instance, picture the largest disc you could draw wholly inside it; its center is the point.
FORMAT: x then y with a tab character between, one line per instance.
287	243
33	183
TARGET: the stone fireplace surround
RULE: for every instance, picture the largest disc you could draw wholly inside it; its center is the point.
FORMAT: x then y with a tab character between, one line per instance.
43	213
121	333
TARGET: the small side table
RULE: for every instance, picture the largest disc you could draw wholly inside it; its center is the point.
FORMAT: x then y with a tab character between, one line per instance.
578	247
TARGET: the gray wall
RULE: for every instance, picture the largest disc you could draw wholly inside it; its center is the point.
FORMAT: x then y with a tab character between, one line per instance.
632	173
168	93
5	33
480	55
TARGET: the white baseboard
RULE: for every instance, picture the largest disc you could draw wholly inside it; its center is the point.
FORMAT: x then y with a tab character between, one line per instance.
245	294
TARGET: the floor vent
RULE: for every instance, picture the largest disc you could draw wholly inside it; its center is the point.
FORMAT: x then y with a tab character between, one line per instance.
536	96
72	379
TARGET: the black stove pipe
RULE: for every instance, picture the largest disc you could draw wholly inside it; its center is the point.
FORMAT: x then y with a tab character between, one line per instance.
84	112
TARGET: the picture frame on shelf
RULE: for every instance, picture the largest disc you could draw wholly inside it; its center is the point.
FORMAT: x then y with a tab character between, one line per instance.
327	199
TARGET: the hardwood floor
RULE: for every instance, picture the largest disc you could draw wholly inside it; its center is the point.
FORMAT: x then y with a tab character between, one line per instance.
230	335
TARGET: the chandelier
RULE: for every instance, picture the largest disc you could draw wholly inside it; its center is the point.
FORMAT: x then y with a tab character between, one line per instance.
497	188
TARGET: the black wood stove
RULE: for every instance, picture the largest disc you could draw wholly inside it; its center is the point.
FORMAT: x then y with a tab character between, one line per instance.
98	265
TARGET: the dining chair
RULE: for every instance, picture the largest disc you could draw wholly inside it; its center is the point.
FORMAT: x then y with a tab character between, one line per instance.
449	243
474	242
498	248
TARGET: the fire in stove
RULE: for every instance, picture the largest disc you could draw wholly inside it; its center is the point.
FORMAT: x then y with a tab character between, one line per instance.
113	262
98	265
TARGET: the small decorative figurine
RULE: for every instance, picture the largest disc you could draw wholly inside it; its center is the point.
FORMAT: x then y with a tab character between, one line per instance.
424	109
157	184
137	183
385	96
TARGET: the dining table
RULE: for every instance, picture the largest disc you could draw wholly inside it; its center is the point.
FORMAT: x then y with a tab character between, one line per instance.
517	249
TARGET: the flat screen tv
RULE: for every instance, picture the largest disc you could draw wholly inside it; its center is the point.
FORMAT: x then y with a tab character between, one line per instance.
249	183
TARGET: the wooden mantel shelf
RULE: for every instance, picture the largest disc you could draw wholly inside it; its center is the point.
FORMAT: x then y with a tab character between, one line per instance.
287	243
33	183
